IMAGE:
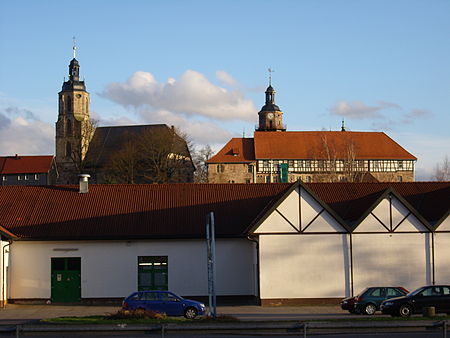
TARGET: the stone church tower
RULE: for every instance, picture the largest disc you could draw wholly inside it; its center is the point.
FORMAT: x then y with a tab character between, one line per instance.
74	129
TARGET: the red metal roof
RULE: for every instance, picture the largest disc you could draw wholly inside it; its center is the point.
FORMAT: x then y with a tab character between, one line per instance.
133	211
237	150
352	200
179	210
25	164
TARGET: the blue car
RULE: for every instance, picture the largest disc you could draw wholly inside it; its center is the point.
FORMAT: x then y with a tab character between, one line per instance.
164	302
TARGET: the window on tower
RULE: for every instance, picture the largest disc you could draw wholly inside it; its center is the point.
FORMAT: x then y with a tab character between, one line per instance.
69	128
69	103
68	149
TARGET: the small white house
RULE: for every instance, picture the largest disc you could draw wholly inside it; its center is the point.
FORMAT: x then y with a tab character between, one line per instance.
275	243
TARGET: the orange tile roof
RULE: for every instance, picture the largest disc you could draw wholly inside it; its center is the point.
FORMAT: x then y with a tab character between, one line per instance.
314	145
25	164
237	150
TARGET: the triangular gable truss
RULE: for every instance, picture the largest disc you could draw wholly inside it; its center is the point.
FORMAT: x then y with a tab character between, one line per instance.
390	225
278	214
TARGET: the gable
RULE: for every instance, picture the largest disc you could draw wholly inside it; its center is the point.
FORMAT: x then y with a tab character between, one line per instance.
390	215
297	213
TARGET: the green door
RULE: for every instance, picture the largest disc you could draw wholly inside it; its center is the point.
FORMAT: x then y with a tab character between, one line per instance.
66	280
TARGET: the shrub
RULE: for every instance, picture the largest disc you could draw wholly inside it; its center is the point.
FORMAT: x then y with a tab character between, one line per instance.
136	314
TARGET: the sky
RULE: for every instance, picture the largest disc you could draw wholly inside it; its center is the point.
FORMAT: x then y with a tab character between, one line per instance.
202	66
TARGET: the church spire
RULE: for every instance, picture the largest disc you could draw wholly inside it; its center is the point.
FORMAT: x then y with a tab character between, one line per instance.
270	115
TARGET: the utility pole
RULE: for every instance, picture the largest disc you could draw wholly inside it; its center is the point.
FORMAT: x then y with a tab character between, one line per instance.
211	258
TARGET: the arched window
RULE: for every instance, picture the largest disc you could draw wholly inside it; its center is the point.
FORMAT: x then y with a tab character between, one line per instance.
68	149
69	128
69	103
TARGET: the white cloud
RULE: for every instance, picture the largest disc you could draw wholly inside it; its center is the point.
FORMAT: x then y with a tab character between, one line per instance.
360	110
25	135
200	131
225	78
192	95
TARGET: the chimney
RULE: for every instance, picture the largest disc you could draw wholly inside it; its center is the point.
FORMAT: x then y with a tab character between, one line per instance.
84	185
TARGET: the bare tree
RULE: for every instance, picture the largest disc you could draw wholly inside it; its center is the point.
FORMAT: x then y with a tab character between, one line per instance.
78	152
334	165
442	170
124	165
161	156
200	157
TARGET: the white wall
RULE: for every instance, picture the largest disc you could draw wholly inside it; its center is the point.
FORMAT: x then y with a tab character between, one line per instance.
397	259
109	268
4	261
304	266
442	257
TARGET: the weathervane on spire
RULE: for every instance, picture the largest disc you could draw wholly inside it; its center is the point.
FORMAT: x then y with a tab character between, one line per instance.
74	48
270	75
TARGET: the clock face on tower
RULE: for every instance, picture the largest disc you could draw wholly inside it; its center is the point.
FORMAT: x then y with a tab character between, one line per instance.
270	116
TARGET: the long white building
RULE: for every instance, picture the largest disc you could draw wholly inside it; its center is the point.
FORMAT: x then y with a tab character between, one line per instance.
275	243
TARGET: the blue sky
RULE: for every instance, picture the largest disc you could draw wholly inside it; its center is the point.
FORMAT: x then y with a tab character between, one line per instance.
202	66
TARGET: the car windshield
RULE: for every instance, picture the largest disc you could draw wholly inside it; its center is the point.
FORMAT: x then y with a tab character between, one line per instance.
362	292
415	292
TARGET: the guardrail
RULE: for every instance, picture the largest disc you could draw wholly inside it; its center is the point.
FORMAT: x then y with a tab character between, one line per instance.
302	328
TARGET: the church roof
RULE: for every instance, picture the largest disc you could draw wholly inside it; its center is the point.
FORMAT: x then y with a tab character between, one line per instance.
25	164
316	145
108	140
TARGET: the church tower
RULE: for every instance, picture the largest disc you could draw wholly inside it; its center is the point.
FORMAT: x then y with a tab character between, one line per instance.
270	116
73	128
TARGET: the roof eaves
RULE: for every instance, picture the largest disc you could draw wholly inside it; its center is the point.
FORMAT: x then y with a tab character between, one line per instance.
5	232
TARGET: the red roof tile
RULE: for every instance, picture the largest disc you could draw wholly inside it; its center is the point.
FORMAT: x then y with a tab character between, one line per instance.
237	150
327	144
133	211
25	164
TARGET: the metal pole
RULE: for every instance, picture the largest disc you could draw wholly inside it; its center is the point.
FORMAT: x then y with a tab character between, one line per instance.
213	255
211	260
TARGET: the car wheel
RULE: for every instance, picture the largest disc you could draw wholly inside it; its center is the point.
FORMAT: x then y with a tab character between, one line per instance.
190	313
405	310
369	309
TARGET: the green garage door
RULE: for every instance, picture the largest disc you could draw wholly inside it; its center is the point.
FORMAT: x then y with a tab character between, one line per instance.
66	280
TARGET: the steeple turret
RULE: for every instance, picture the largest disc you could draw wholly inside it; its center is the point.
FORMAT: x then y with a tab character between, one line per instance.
270	115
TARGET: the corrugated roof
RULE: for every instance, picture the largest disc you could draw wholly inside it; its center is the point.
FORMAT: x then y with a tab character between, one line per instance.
25	164
352	200
237	150
133	211
327	144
